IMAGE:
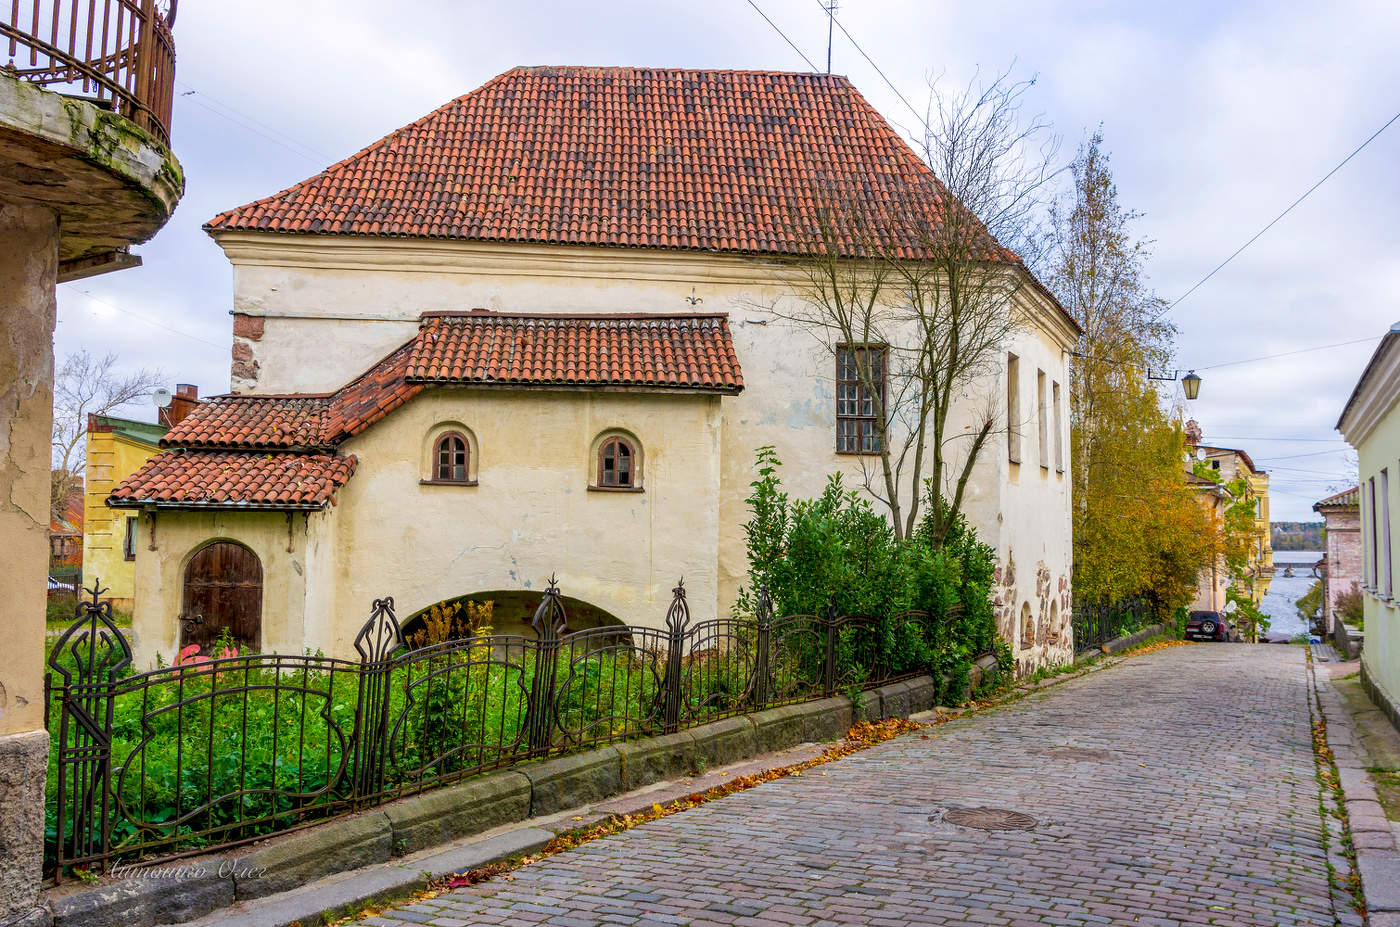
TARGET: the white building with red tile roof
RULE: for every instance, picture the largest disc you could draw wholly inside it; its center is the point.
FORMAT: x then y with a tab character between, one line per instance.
540	329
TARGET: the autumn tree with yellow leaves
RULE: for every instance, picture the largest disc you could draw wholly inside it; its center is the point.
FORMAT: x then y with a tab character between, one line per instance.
1138	528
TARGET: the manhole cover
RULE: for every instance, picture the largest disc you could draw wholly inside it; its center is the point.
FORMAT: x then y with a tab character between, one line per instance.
989	818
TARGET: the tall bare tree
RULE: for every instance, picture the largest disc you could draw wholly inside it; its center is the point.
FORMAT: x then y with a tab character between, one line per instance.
85	384
912	294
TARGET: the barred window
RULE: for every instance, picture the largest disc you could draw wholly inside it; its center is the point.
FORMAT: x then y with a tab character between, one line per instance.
451	459
857	409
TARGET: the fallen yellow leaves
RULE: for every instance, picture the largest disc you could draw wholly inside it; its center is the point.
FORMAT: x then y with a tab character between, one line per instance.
861	736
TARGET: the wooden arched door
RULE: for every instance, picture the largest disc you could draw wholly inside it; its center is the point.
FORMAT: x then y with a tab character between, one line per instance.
223	589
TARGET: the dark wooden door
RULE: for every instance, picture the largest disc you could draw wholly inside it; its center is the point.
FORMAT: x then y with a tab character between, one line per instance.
223	589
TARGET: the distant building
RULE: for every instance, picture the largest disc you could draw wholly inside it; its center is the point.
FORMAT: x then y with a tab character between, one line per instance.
117	448
1371	424
66	532
1342	574
1211	583
1228	464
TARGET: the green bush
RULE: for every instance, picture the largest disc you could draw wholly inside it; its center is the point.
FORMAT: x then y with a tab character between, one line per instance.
837	551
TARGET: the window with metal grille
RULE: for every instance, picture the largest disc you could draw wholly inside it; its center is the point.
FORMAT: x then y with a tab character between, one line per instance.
451	459
617	464
858	408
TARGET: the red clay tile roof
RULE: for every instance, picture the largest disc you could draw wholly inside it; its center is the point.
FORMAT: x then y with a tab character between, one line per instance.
484	349
737	161
228	421
683	352
234	480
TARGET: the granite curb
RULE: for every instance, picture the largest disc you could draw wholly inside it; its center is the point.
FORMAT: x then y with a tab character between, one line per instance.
1373	838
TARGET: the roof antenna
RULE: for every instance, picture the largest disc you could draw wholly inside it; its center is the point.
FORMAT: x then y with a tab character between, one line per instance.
831	8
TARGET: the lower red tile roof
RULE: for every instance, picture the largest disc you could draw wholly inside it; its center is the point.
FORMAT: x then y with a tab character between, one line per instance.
218	464
234	480
673	352
637	352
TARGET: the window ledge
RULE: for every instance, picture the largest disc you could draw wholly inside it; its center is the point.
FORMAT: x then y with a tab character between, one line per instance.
858	454
592	488
447	482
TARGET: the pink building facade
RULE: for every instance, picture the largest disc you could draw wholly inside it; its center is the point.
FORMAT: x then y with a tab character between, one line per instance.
1342	514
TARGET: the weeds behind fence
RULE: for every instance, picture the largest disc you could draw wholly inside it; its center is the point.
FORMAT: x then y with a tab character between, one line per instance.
215	752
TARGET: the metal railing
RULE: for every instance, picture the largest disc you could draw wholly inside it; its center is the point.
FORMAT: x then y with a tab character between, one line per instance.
1095	624
119	52
216	752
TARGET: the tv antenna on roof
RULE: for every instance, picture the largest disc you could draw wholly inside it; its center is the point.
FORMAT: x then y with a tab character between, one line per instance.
831	7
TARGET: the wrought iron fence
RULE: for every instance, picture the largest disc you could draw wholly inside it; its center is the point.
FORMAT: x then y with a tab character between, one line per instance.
188	758
119	51
1095	624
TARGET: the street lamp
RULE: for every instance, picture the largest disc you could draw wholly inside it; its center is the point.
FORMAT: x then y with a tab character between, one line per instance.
1191	384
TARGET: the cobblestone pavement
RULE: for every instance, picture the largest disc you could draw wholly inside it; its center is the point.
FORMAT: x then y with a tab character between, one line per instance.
1176	788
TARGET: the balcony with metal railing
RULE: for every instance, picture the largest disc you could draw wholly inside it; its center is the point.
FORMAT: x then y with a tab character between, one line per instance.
118	54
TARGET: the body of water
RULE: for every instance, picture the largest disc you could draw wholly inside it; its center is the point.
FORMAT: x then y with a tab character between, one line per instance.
1284	592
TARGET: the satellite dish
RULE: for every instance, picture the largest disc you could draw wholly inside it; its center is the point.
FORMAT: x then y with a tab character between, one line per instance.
161	398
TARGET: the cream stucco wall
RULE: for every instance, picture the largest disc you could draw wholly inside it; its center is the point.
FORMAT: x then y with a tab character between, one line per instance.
1376	438
287	558
364	297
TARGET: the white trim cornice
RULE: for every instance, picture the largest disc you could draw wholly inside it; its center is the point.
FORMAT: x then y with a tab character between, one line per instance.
1375	395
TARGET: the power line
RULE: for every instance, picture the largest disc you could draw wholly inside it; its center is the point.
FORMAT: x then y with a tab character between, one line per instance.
780	32
1275	220
244	121
1321	347
871	61
1299	440
148	320
1296	456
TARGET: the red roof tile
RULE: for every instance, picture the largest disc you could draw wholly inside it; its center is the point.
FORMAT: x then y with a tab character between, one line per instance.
272	422
645	352
234	480
682	352
623	157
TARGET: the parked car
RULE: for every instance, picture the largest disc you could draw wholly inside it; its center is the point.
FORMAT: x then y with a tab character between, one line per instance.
1210	626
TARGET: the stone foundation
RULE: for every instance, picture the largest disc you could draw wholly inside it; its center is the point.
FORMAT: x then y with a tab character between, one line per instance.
23	762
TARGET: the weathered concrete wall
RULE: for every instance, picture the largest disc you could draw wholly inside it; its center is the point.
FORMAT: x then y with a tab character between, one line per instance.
364	297
28	271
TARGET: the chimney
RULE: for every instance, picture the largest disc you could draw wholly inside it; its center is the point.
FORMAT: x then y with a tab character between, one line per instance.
181	404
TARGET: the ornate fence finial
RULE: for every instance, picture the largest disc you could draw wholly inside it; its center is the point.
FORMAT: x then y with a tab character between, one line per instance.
381	634
550	619
833	616
93	643
678	615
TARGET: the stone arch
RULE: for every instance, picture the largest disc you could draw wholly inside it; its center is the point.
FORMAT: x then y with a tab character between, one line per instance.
512	609
1054	621
1027	626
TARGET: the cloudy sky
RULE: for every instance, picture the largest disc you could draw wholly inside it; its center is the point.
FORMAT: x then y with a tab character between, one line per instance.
1218	115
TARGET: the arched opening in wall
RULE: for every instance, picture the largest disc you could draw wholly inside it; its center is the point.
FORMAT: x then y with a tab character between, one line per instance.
505	611
223	589
1027	626
1054	623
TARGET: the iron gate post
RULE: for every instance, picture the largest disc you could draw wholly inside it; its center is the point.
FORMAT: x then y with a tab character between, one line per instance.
677	621
549	622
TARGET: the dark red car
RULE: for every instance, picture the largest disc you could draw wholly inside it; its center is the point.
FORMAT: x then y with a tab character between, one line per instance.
1209	626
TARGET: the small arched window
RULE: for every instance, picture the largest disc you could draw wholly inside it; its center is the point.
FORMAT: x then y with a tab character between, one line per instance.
617	464
450	459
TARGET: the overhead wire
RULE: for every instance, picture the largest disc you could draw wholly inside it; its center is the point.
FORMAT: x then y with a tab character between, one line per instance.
780	32
1356	151
147	319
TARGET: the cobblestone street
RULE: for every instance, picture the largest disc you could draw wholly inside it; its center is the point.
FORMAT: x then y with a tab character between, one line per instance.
1175	788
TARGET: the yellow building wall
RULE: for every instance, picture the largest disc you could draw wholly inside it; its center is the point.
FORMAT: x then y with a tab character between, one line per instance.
111	457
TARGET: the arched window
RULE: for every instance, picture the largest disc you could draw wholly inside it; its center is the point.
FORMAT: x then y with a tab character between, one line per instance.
450	459
618	466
